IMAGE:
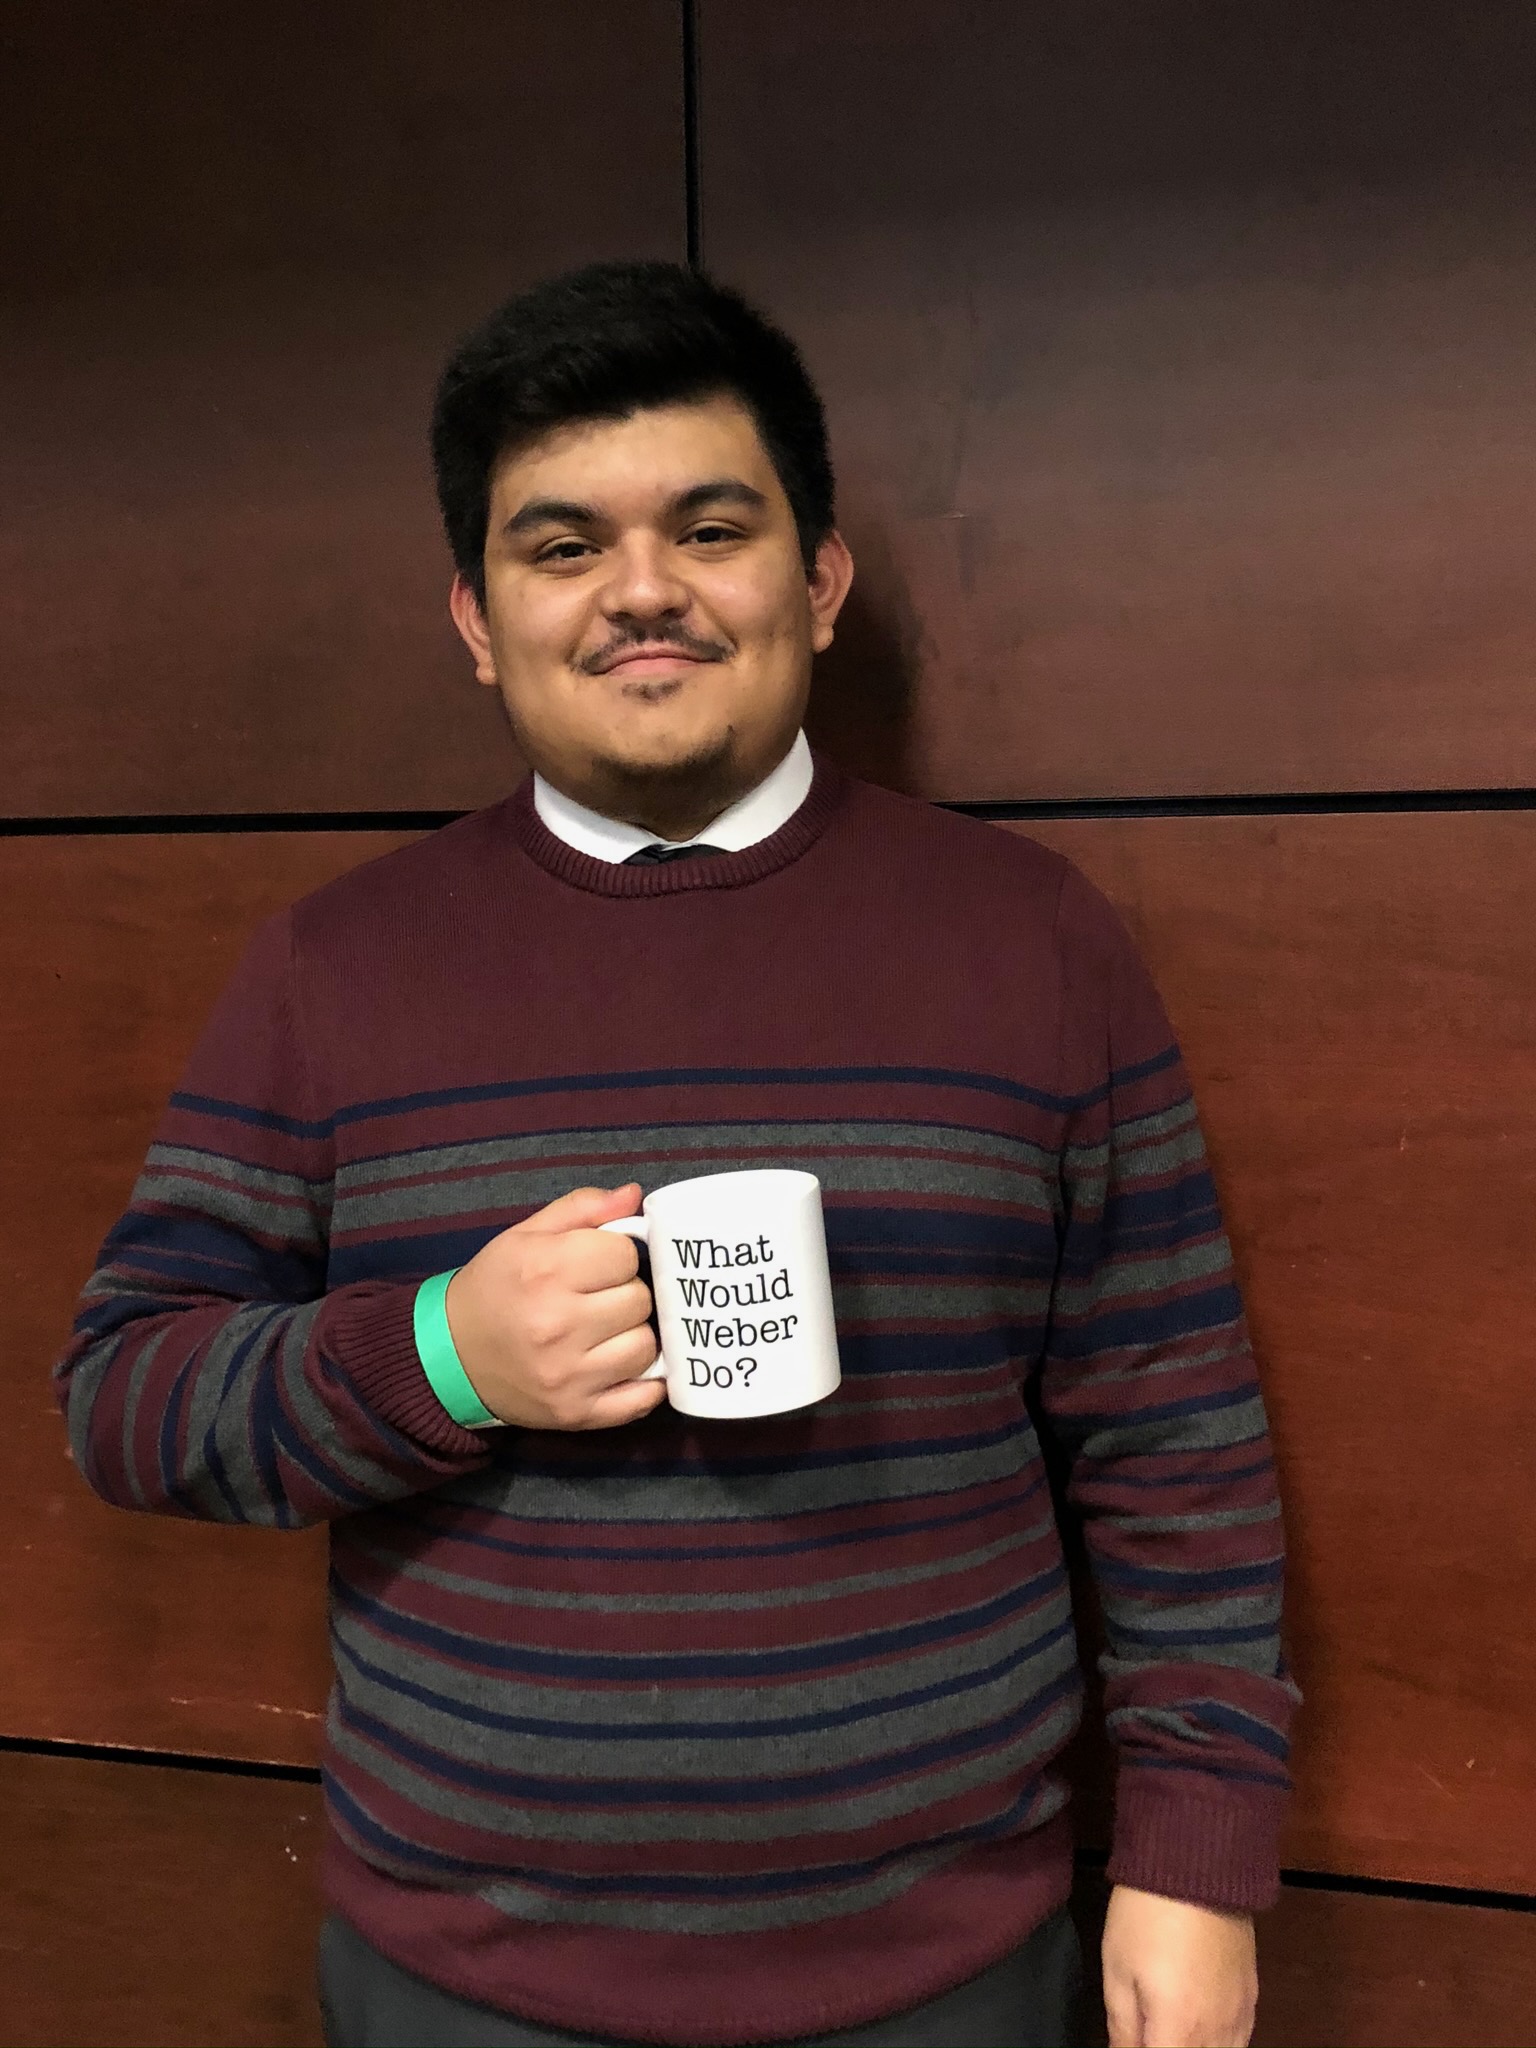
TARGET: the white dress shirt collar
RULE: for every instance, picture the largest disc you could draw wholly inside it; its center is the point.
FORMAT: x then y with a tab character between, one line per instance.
755	816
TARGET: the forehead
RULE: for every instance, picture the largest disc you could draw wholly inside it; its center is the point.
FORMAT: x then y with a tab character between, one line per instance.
641	461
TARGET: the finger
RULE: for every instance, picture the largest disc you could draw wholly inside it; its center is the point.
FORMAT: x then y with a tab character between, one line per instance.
626	1403
619	1358
612	1311
583	1209
587	1261
1122	2011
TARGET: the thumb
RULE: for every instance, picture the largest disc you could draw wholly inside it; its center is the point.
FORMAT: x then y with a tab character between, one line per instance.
583	1209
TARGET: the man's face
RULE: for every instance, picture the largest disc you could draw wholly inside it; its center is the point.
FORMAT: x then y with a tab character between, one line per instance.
648	618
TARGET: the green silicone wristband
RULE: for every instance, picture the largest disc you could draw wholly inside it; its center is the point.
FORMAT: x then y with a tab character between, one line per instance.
440	1361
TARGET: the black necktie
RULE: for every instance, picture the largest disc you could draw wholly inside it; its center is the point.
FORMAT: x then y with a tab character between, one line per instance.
654	856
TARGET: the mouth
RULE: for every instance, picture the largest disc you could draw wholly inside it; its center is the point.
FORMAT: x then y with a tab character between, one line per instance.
663	662
651	658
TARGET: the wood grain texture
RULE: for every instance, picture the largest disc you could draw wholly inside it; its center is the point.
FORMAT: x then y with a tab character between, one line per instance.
237	246
123	1628
150	1905
1177	365
1357	1001
1355	1971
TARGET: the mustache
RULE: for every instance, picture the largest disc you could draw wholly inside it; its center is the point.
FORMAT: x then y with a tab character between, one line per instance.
675	640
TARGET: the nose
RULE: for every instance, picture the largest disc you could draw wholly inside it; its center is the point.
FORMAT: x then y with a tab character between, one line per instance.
643	585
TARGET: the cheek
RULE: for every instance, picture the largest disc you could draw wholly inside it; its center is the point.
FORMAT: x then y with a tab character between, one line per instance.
761	609
535	627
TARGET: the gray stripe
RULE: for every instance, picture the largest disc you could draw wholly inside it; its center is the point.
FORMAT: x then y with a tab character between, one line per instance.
1161	1364
294	1223
631	1142
227	1416
858	1724
1126	1277
725	1496
1209	1617
1225	1518
221	1166
522	1902
839	1814
921	1301
414	1572
1136	1130
698	1917
1206	1429
138	1373
534	1185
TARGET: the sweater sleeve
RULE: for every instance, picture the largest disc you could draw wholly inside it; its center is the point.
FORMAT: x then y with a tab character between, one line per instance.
211	1374
1148	1384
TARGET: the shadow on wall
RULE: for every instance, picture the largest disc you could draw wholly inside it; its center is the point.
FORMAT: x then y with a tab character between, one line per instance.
863	695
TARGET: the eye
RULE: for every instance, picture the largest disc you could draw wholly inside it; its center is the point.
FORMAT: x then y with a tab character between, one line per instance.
713	532
568	550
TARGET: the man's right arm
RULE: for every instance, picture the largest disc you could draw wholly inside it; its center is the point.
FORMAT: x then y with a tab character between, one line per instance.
212	1374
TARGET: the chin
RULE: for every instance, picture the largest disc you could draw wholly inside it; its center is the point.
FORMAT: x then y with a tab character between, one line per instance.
686	753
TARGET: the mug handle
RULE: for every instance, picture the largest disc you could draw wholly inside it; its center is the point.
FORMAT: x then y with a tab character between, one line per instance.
637	1228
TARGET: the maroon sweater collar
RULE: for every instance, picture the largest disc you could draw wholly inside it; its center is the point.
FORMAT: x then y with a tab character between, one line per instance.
674	878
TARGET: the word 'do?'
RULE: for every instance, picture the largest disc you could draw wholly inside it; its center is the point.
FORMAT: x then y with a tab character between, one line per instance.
702	1374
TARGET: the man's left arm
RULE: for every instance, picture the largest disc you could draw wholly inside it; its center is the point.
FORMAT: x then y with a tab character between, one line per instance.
1148	1383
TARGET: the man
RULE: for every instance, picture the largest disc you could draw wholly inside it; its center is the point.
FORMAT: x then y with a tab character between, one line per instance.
645	1728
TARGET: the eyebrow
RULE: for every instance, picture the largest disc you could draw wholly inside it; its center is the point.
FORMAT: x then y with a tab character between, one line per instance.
721	490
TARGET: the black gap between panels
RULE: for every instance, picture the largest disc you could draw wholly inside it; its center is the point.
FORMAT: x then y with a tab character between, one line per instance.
164	1759
693	238
1282	804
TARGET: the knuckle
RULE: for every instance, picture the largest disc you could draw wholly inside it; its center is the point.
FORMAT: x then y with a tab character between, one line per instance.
546	1327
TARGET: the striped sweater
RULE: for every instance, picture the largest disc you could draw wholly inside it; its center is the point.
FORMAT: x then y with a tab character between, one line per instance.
706	1731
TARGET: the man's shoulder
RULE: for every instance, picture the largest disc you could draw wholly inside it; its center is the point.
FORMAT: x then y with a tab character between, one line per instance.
412	883
956	849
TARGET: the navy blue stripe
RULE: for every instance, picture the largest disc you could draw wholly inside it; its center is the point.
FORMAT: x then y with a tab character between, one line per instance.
653	1884
1148	1324
1210	1767
1191	1638
1248	1728
676	1077
738	1726
892	1766
1168	1411
1174	1584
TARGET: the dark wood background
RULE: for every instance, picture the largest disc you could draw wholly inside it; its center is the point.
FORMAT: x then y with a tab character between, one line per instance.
1178	361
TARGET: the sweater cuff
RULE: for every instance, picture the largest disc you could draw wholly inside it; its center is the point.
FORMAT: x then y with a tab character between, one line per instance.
1194	1839
372	1337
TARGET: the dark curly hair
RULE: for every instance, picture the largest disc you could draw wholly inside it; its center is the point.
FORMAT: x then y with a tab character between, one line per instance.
602	343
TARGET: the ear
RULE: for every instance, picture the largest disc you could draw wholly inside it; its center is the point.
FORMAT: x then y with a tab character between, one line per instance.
469	616
830	579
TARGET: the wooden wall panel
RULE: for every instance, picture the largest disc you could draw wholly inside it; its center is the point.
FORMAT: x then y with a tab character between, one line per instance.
1357	1000
237	244
125	1628
1177	361
149	1905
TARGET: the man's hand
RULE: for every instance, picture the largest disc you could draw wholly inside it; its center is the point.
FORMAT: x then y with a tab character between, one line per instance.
550	1319
1177	1975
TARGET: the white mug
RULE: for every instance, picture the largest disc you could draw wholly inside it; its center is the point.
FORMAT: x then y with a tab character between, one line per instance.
743	1296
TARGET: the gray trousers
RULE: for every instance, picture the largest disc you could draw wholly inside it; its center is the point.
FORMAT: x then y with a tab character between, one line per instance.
1028	2000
